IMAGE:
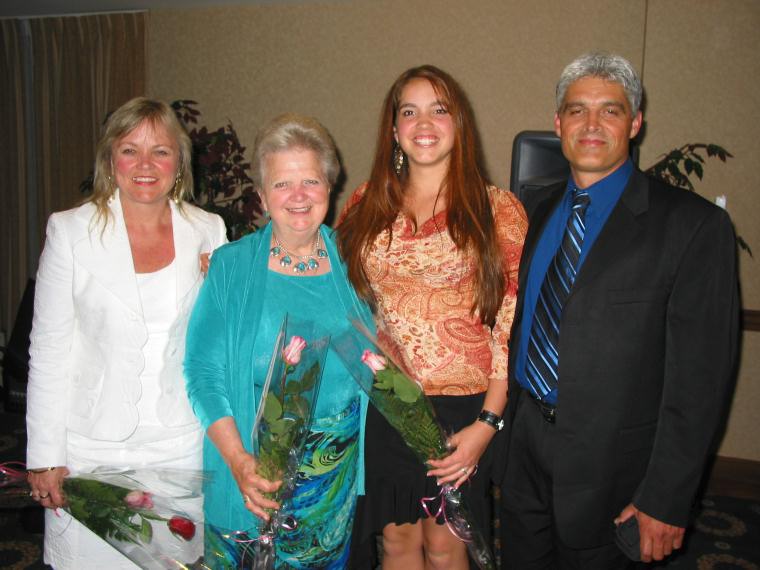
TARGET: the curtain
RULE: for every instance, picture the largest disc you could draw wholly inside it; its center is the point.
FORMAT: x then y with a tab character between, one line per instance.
14	266
82	67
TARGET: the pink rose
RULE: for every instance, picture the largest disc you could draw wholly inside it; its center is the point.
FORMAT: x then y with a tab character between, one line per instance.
139	499
373	361
292	353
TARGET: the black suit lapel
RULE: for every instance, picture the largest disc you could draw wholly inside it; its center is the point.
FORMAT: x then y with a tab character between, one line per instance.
620	229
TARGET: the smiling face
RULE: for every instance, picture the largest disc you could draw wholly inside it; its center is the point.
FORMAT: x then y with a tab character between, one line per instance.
145	163
295	192
424	128
595	126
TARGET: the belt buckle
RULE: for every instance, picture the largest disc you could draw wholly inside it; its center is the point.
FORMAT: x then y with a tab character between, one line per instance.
548	411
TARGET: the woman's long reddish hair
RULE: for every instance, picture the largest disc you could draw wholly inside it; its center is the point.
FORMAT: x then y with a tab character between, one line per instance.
469	216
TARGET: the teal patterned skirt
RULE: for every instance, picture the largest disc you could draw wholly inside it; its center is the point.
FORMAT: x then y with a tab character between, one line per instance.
324	499
323	504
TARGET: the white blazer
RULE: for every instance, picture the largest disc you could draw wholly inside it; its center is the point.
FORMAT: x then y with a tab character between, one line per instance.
88	329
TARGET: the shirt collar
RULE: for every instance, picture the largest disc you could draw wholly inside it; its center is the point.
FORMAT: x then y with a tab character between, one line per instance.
605	192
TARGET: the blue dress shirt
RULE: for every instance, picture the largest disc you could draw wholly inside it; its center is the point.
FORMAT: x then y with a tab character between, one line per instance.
604	195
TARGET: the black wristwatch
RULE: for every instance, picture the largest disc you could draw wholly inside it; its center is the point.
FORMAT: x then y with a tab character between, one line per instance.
496	422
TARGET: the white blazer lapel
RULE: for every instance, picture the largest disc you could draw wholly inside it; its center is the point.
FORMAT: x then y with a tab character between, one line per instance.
188	246
108	257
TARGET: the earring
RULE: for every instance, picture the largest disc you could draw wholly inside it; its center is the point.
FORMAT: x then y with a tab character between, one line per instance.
398	159
175	190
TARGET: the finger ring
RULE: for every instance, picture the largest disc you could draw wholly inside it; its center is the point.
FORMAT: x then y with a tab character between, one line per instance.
464	470
45	496
246	499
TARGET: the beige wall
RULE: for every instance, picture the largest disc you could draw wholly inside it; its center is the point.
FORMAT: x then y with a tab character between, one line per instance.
702	76
335	60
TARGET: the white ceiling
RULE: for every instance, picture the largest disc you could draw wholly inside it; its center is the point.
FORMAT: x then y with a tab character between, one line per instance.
21	8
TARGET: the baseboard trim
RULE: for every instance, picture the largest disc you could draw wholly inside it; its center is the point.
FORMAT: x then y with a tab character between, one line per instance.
734	477
750	320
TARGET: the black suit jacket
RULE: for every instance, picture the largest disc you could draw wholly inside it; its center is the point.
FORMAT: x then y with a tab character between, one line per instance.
647	350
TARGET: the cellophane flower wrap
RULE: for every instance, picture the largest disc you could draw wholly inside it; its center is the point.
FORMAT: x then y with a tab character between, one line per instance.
154	529
403	403
283	421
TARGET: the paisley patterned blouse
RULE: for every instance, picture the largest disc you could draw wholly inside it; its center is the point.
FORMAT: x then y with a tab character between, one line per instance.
425	286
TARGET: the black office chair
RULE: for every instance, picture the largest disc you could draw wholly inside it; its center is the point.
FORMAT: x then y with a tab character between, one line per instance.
538	162
16	357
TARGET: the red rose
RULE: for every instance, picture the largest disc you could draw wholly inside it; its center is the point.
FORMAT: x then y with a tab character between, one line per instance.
182	527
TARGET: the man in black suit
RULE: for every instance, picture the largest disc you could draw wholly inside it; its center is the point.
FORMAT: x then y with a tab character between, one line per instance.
623	344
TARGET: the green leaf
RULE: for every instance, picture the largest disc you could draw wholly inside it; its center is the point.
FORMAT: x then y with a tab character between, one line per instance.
297	406
698	170
384	379
406	390
146	530
310	377
744	245
278	427
272	408
293	387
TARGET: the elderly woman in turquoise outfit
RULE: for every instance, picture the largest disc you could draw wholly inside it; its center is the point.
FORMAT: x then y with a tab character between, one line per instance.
290	266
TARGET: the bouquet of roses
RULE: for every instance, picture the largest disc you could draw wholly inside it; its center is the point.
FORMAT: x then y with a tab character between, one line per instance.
283	421
405	406
153	530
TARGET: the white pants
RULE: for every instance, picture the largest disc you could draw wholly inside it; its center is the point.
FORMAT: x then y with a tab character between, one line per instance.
71	546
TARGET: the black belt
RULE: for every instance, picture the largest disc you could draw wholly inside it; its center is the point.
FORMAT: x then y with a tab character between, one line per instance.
549	411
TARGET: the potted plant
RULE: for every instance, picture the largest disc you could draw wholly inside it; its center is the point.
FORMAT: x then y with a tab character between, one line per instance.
679	164
220	172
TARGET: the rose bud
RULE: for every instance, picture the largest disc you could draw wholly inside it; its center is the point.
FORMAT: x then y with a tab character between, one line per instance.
374	362
182	527
139	499
292	353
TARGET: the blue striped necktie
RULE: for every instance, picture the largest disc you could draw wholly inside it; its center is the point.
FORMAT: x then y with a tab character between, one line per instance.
542	366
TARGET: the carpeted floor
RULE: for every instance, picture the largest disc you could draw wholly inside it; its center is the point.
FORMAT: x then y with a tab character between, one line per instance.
725	535
21	524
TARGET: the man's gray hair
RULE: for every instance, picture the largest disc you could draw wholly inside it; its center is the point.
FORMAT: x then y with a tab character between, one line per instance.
607	66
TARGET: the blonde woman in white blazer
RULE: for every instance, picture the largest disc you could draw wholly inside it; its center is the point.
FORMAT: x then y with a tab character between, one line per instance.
116	283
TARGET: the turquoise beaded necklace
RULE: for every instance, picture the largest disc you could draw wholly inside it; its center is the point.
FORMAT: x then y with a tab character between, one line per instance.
305	262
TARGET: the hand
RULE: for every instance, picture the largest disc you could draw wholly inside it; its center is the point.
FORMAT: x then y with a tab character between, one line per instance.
657	539
468	444
253	486
47	487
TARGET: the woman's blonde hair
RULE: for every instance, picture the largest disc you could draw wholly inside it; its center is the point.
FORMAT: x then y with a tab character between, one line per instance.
122	122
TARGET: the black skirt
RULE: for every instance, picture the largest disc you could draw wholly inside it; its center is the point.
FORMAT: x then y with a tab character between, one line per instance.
396	480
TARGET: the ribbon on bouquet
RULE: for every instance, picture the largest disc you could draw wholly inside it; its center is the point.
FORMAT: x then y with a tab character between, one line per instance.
445	492
12	472
241	537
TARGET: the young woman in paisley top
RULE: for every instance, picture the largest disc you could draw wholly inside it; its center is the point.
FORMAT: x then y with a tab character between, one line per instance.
435	250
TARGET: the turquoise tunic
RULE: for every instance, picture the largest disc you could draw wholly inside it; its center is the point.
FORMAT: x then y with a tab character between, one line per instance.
229	342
